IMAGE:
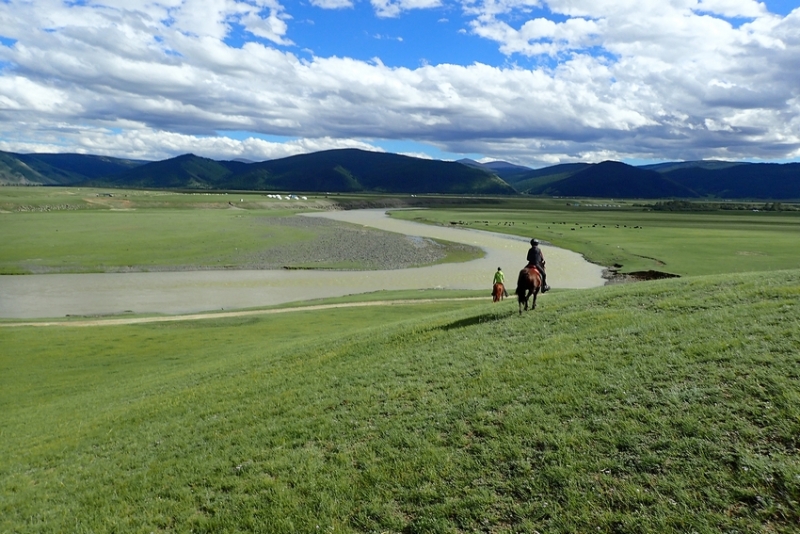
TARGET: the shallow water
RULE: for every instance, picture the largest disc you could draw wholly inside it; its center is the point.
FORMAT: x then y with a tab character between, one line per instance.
57	295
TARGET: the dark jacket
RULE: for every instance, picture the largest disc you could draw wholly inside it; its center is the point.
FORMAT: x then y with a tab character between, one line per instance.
535	257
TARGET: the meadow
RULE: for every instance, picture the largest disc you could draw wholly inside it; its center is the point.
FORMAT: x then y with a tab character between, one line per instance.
58	230
651	407
666	406
636	239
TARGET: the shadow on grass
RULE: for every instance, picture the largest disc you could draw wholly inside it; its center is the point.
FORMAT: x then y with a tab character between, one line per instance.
472	321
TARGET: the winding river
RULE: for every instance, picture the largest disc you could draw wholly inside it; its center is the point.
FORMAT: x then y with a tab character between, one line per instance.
57	295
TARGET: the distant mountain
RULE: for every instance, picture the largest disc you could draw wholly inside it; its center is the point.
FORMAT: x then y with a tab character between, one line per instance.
703	164
359	170
535	179
505	170
14	171
612	179
82	166
688	179
183	172
346	170
58	169
351	170
744	181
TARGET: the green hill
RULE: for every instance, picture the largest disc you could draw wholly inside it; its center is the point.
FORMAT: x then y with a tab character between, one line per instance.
752	181
359	170
669	406
505	170
17	169
612	179
184	172
688	179
347	170
699	164
534	180
58	169
81	167
352	170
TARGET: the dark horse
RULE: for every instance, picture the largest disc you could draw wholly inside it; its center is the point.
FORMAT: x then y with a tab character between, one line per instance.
528	284
497	292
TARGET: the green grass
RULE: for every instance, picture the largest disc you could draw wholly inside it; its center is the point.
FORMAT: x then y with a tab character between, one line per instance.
680	243
657	407
75	230
14	199
97	241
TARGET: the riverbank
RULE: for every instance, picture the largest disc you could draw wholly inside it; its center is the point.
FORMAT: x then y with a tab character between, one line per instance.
58	295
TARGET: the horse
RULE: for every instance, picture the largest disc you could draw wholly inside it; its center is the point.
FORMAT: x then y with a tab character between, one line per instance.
498	290
529	283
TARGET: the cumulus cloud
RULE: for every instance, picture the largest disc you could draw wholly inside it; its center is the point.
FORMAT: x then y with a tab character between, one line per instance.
625	79
393	8
149	144
332	4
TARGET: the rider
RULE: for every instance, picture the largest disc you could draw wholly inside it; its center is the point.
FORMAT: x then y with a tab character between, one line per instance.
536	259
499	278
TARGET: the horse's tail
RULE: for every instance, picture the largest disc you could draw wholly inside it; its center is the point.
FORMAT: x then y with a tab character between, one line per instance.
522	283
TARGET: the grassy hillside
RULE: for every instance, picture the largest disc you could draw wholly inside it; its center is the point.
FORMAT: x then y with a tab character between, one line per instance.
352	170
658	407
13	171
765	180
184	172
699	164
80	167
347	170
358	170
537	177
58	169
612	179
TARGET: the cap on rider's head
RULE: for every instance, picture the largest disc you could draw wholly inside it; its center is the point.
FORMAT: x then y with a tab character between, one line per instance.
534	242
498	268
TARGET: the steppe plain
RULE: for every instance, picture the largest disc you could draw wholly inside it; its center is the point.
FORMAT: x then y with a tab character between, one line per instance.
660	406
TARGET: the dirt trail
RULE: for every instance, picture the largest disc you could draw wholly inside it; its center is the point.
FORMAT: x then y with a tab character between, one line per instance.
223	315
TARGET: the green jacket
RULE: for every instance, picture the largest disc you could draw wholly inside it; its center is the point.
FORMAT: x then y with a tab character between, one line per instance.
499	277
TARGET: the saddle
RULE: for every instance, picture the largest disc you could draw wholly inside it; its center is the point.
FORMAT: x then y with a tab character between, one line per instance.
534	266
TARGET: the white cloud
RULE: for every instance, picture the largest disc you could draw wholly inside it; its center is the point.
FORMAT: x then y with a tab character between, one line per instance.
156	145
393	8
633	79
332	4
733	8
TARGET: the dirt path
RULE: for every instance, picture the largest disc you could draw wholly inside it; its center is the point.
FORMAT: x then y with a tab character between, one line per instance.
223	315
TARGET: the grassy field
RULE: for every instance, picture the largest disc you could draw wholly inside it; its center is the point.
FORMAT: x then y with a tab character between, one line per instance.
679	243
668	406
80	230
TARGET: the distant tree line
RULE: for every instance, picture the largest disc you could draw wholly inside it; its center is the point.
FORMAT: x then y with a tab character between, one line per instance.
686	205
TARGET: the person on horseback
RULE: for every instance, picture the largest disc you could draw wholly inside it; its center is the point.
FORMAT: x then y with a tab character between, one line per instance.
499	278
536	259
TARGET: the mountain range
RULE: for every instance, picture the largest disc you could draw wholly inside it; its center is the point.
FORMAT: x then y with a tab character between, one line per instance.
352	170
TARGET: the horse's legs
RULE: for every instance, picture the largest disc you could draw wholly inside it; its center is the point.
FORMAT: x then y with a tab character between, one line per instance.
535	292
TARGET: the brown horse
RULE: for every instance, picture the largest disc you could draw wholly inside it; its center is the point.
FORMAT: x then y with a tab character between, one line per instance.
528	284
498	290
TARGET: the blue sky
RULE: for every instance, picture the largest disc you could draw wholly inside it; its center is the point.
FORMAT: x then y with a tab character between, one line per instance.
533	82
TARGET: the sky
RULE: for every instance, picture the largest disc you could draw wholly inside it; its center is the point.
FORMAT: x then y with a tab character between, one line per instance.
531	82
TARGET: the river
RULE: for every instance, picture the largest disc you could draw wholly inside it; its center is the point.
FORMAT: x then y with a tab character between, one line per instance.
58	295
